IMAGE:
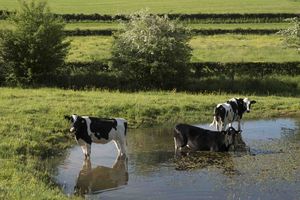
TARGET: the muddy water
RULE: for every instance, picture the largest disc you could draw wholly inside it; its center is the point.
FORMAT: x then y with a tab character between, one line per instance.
270	170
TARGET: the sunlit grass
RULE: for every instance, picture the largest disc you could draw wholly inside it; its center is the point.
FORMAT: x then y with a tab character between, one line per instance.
216	48
167	6
32	126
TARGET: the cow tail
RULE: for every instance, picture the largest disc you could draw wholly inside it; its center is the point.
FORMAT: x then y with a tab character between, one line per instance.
125	125
125	132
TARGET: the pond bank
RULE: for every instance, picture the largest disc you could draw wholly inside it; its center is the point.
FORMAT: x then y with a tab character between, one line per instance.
32	125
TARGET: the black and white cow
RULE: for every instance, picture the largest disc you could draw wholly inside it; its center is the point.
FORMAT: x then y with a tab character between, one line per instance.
98	130
199	139
231	111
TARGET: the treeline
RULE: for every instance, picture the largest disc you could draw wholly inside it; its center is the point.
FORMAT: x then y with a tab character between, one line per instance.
204	18
207	76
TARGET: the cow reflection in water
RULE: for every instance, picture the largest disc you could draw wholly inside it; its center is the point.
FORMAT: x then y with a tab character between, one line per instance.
100	178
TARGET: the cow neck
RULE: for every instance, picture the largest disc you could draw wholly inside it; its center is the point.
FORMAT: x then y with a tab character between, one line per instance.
88	124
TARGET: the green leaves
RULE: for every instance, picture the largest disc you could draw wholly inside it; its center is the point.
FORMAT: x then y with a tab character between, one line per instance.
36	47
152	52
292	34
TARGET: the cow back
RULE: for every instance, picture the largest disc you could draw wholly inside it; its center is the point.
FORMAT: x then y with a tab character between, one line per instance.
102	127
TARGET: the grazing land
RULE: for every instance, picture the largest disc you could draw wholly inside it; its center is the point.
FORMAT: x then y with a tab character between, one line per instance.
215	48
32	126
167	6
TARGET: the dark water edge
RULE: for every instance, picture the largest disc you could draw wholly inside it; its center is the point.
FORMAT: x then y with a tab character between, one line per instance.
270	170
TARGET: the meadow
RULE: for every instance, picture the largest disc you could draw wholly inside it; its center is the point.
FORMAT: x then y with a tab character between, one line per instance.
167	6
214	48
33	128
100	25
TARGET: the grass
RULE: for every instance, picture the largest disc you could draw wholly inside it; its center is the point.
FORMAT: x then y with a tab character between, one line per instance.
216	48
167	6
33	130
4	24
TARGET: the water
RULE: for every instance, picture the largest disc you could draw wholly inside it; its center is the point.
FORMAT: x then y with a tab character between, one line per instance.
269	171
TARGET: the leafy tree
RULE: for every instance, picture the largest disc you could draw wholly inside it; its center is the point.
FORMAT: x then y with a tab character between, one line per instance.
292	34
36	47
152	52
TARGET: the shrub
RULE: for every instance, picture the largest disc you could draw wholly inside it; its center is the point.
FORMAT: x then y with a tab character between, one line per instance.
152	52
292	33
36	46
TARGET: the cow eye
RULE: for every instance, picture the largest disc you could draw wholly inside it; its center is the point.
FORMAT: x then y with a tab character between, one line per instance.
82	121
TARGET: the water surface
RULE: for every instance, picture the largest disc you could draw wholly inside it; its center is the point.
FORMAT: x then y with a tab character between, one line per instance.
269	171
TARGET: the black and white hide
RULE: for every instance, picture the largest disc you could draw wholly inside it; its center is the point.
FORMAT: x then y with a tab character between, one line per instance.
88	130
199	139
231	111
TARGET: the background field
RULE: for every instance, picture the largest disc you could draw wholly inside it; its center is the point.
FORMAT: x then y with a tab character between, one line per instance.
167	6
215	48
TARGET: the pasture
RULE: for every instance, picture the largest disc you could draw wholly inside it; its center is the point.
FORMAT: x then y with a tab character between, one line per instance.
214	48
35	137
33	129
167	6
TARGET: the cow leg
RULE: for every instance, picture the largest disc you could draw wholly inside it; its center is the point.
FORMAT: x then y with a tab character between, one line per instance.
118	147
85	147
88	151
239	125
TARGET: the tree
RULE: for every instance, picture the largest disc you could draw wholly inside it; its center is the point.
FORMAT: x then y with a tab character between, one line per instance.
152	52
292	34
36	47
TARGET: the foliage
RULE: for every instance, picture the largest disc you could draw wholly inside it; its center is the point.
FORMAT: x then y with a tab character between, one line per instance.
36	47
292	34
152	51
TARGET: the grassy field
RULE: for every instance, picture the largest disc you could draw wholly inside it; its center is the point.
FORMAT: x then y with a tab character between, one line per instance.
33	130
167	6
217	48
4	24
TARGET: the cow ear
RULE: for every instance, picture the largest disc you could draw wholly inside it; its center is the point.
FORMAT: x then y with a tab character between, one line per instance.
67	117
252	102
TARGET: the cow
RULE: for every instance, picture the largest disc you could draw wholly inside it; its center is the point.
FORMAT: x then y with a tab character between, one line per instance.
231	111
199	139
98	130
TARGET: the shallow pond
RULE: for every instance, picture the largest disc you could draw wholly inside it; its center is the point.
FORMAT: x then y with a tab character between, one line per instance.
271	170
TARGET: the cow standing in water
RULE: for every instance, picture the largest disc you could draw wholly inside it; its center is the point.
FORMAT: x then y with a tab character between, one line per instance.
98	130
231	111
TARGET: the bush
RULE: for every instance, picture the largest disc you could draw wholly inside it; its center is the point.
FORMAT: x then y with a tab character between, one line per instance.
292	33
36	46
152	52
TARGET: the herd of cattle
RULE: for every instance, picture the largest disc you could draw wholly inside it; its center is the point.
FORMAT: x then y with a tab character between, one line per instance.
88	130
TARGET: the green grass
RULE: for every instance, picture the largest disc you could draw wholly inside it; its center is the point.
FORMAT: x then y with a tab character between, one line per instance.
167	6
4	24
217	48
91	48
33	130
242	48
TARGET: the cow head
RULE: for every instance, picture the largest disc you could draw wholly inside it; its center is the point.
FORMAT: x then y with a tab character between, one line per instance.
230	135
78	124
247	104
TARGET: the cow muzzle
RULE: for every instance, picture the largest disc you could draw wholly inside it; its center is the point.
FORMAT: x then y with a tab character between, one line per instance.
72	130
248	111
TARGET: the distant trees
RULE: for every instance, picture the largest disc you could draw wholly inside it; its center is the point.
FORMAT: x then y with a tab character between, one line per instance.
152	52
292	34
36	47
